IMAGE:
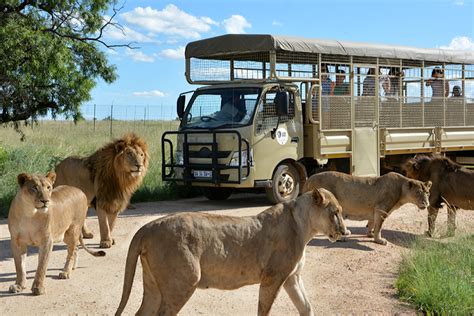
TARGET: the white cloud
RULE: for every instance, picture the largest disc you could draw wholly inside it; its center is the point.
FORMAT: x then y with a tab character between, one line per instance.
151	93
139	56
111	51
173	53
460	43
459	2
277	23
170	21
127	35
236	24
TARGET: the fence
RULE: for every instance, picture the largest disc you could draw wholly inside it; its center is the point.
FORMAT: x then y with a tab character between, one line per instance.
113	119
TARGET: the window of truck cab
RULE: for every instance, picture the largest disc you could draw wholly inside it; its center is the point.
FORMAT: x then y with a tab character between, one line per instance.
221	108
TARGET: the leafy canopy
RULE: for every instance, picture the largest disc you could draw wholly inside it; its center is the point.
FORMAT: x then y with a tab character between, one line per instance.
50	56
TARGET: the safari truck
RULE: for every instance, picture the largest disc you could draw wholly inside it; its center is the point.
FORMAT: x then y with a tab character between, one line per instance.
306	105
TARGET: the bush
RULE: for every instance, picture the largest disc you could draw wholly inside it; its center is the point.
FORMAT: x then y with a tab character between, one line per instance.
437	277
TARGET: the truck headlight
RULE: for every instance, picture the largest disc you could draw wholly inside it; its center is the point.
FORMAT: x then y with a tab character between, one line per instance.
234	161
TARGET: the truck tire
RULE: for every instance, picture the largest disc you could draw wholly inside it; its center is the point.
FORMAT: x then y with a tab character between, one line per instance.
216	194
285	184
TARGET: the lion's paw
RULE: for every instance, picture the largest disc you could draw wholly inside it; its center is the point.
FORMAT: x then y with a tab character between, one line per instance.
16	288
39	290
381	241
87	235
347	233
64	275
106	243
428	233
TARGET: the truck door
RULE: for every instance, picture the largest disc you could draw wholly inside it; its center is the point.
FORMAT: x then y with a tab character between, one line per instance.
365	130
278	139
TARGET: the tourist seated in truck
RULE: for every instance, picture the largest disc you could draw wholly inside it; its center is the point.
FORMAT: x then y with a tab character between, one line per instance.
369	84
436	83
456	92
341	87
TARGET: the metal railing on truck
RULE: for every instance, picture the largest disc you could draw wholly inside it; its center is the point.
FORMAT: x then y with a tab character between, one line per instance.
214	154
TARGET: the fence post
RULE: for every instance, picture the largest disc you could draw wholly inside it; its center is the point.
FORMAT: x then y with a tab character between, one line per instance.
111	117
94	118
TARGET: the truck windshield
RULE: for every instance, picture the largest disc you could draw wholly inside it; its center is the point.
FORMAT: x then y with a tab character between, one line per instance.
224	107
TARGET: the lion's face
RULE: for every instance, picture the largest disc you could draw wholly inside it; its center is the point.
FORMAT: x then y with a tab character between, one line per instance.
132	160
330	221
37	189
418	193
417	168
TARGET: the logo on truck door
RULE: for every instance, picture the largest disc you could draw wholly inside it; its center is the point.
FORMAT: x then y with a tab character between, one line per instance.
281	136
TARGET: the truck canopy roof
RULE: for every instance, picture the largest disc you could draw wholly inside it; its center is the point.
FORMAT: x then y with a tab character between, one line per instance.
255	43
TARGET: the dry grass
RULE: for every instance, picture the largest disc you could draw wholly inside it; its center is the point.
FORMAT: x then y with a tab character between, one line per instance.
48	142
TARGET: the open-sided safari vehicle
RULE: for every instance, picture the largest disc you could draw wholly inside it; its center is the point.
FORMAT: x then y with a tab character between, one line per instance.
300	105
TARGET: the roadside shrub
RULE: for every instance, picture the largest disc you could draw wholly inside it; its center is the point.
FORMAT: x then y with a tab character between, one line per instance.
436	277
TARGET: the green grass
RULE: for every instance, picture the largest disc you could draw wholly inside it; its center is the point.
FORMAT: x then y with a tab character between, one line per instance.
437	277
51	141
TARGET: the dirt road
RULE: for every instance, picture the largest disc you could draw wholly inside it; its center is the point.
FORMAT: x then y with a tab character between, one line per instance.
352	277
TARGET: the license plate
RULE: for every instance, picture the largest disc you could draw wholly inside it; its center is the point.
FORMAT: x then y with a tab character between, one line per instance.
202	173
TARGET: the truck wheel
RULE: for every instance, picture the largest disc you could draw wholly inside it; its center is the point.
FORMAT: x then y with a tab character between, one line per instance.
216	194
285	184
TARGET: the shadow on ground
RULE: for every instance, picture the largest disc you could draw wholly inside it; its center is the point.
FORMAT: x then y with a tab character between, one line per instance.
199	204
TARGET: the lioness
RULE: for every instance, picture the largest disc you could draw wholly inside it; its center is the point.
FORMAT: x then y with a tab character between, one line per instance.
182	252
108	177
371	198
452	185
38	217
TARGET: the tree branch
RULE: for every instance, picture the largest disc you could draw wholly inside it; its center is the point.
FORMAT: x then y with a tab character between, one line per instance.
26	113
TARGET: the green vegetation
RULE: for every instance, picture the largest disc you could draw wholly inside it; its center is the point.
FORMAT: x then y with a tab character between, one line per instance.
437	277
50	57
51	141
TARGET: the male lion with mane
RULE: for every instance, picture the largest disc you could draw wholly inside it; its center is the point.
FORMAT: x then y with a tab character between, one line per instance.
182	252
108	177
40	216
371	198
452	184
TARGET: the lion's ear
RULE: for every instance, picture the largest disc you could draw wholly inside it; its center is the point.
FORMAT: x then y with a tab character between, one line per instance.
22	178
51	176
411	184
428	185
415	165
318	197
119	146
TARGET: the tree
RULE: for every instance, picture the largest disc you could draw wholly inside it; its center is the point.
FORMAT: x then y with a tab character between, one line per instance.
50	56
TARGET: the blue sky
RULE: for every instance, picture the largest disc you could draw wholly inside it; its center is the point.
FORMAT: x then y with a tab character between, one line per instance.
153	75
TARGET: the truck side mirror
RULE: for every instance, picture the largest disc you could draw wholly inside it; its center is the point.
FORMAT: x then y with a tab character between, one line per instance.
282	99
180	105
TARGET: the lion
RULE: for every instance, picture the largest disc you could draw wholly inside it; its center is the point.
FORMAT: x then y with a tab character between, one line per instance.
108	177
40	216
182	252
371	198
452	185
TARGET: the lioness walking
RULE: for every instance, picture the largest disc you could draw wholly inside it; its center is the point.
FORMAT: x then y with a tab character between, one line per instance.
182	252
371	198
40	216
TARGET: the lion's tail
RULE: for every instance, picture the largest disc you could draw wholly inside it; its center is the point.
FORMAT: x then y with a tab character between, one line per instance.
99	253
131	264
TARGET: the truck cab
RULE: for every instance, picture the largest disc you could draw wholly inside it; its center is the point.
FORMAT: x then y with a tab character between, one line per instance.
240	136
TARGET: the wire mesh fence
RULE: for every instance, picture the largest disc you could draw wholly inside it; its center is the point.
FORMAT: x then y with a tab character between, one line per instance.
110	120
